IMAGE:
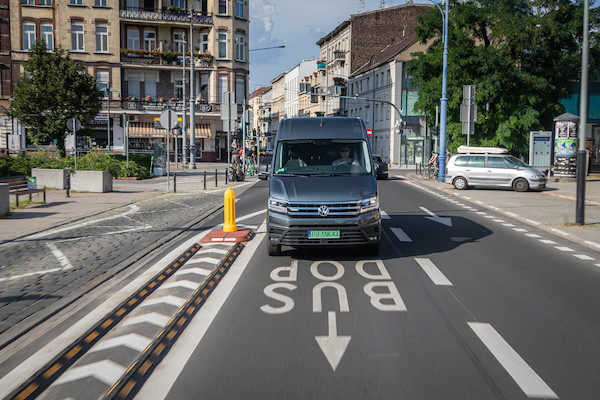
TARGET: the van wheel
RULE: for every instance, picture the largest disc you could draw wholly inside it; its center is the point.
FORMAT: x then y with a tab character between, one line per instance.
460	183
521	185
273	249
373	249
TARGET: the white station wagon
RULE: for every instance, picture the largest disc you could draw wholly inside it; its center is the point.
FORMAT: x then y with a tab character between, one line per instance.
491	166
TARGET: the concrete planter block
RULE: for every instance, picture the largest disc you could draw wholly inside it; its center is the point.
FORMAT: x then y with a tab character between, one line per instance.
4	198
91	181
50	178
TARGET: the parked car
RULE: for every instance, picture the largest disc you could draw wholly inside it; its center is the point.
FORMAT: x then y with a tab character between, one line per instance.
264	166
381	167
491	166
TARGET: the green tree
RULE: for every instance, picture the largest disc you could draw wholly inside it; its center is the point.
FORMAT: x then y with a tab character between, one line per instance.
522	55
53	89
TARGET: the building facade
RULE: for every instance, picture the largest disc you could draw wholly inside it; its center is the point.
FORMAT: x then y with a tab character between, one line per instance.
292	86
135	50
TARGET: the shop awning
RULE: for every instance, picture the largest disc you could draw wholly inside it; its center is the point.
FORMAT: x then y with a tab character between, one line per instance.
146	129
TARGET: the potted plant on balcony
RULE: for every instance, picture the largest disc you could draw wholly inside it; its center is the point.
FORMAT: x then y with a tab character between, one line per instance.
131	98
160	99
148	98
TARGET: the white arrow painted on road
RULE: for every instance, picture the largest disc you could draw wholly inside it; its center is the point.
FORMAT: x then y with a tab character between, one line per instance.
208	260
150	318
132	341
332	345
105	371
197	271
442	220
170	300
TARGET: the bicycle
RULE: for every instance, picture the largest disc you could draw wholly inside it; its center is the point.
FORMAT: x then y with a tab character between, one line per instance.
429	171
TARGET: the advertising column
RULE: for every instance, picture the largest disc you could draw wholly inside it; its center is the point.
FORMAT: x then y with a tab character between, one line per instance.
565	148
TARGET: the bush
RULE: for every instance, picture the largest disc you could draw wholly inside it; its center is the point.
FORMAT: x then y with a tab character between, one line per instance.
139	165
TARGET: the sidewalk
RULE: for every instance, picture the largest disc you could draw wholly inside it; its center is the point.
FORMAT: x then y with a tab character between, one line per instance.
60	209
553	209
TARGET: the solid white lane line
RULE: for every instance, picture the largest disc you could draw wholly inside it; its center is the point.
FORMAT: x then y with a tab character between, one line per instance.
385	215
403	237
533	235
562	248
583	257
517	368
433	272
547	241
60	256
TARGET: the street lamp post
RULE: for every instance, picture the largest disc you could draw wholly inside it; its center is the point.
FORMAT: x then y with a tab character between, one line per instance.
581	152
108	90
192	164
444	99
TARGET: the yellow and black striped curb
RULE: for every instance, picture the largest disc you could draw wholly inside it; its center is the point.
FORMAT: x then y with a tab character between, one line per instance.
52	370
142	368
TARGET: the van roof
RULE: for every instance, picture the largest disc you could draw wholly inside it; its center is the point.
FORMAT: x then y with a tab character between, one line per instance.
321	128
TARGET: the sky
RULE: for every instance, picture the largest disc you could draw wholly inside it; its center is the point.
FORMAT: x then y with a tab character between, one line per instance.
298	25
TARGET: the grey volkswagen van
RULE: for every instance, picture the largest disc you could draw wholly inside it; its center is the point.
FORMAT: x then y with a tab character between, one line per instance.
322	189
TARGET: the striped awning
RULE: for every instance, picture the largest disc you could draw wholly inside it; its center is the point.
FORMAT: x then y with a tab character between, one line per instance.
146	129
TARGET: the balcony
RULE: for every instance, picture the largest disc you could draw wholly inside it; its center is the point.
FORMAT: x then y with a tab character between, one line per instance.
163	58
339	55
165	15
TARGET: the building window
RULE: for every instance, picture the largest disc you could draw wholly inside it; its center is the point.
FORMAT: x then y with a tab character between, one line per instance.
100	3
149	40
204	42
76	2
28	35
102	80
102	38
222	87
222	45
179	3
133	39
240	88
179	88
150	80
222	6
367	114
239	8
240	47
27	2
133	84
376	112
48	35
76	37
45	2
133	4
178	39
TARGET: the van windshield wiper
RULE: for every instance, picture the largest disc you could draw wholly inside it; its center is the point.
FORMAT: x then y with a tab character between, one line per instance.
289	174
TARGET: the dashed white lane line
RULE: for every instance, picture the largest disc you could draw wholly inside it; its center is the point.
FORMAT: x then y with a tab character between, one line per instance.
530	382
490	216
562	248
584	257
433	272
481	213
498	220
508	225
547	241
519	230
533	235
401	235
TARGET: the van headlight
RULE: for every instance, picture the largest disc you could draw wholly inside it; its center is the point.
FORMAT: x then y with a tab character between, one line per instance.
370	204
278	206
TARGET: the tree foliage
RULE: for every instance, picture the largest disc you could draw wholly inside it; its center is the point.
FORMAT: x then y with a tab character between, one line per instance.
522	55
53	89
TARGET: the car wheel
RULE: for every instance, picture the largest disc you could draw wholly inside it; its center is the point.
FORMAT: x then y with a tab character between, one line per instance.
460	183
373	249
273	249
521	185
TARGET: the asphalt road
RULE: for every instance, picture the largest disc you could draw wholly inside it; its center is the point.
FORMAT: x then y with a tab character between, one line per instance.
461	304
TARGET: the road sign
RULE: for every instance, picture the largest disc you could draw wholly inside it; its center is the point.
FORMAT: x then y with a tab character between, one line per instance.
74	124
168	119
369	132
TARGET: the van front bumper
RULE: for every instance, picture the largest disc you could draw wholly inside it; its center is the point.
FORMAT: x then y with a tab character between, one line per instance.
285	230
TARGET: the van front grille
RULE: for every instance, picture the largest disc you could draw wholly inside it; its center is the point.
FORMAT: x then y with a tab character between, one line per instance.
336	209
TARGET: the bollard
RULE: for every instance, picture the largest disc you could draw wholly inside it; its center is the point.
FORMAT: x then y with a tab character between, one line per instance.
229	225
68	183
226	176
216	183
174	182
204	180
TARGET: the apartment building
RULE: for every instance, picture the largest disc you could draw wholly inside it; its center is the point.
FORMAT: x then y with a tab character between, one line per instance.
398	138
136	48
309	98
6	126
260	103
278	105
292	86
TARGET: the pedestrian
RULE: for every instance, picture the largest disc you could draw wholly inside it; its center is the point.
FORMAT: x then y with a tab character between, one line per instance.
72	151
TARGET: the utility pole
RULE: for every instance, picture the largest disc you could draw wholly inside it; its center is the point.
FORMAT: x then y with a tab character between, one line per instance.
183	119
581	152
192	164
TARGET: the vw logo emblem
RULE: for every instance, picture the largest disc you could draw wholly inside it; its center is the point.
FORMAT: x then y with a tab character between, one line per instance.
323	211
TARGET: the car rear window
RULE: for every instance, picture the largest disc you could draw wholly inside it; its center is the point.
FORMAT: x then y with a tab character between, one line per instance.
476	161
461	161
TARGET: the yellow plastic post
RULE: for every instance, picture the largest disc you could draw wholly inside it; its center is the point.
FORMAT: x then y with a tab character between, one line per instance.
229	225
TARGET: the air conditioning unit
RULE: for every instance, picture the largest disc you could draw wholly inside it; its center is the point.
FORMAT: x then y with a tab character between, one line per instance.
133	118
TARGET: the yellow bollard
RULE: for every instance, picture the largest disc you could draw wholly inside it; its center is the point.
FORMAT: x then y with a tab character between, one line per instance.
229	225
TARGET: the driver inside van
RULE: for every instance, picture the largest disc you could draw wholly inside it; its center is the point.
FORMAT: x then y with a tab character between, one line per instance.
344	159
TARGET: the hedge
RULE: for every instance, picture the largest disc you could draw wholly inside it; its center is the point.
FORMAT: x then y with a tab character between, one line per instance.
139	165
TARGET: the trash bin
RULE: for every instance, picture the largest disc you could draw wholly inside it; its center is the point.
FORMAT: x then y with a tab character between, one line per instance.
31	184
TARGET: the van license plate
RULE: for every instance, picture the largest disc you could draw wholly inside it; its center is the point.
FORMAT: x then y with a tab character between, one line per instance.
323	234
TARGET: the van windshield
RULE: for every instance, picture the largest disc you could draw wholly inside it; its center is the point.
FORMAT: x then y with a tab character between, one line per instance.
322	157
